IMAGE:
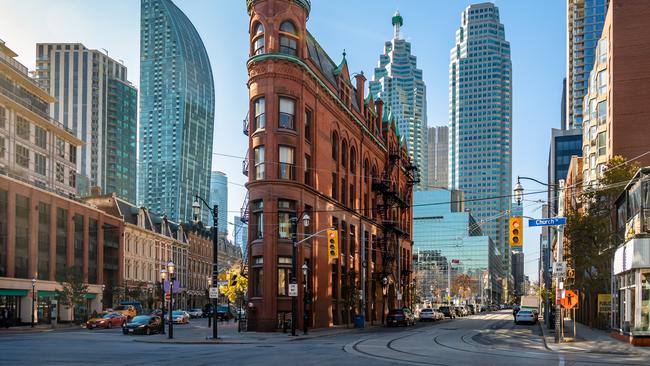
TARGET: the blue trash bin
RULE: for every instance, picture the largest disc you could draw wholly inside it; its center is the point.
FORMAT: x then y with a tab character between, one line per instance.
359	321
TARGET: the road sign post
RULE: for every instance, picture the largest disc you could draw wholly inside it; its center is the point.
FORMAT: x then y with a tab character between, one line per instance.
551	221
214	292
293	289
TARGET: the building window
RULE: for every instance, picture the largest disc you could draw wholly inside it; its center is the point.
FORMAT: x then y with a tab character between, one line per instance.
39	163
602	51
258	39
3	147
308	124
592	109
22	128
602	82
335	148
258	219
308	170
60	173
259	162
286	210
73	154
72	178
22	156
287	112
60	148
40	137
286	166
602	112
3	117
288	38
335	184
260	116
284	275
602	144
344	154
257	276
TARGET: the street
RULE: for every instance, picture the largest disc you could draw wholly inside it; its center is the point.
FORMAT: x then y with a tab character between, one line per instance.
489	339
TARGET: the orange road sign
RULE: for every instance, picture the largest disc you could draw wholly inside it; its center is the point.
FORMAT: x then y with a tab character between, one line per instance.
570	299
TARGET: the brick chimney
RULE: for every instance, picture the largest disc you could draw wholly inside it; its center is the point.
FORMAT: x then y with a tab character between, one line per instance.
361	84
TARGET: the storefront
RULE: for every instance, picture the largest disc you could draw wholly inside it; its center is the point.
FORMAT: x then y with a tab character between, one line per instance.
632	284
10	306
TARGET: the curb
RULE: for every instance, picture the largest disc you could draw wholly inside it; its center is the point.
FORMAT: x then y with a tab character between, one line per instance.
541	327
41	330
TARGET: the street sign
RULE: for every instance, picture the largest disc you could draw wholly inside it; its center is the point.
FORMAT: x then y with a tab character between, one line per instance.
551	221
293	289
399	296
214	292
222	283
570	299
604	303
559	268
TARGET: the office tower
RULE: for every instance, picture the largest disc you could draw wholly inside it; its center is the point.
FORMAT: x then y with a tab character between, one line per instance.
480	120
94	98
219	196
585	20
241	235
438	157
398	82
518	273
34	147
176	112
564	145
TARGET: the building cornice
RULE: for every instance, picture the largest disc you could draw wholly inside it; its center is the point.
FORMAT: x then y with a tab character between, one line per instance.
305	4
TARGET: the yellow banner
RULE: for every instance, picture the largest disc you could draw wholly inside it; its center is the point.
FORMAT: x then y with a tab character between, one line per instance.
604	303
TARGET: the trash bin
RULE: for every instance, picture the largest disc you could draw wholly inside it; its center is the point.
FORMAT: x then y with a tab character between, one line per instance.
359	321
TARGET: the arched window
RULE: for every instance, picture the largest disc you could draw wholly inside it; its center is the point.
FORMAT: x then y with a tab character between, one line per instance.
344	154
288	38
335	147
258	39
353	161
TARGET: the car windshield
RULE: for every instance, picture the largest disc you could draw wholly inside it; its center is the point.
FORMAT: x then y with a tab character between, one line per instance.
178	313
525	312
105	315
142	319
426	311
222	308
400	312
443	308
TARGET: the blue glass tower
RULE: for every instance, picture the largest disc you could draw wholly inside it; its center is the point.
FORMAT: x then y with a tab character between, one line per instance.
219	196
480	120
176	112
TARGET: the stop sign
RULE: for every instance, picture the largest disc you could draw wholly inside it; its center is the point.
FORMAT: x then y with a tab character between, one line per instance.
167	296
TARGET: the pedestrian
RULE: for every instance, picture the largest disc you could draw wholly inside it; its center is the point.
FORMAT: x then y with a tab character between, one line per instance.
515	310
9	318
3	318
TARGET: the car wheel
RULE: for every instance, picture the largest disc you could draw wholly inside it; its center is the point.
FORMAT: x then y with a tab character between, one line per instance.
110	325
147	331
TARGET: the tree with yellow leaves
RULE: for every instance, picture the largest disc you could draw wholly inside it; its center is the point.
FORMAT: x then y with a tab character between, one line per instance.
237	284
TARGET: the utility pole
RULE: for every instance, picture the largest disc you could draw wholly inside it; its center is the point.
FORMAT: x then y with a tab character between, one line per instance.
560	253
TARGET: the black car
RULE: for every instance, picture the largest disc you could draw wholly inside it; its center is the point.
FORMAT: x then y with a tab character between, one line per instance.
400	317
143	324
223	313
448	311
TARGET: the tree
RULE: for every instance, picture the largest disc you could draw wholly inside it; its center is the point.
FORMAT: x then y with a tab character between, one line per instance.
73	290
237	284
350	294
462	285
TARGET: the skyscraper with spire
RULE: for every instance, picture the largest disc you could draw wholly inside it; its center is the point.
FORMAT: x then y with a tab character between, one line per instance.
398	82
480	120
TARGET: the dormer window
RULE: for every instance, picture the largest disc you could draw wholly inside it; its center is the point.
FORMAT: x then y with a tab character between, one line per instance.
258	39
288	38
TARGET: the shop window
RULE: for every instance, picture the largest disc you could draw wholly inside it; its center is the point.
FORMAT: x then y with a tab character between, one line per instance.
284	275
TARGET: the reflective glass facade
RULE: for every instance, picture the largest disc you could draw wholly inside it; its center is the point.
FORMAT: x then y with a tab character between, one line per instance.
176	112
398	82
442	234
219	196
121	133
480	120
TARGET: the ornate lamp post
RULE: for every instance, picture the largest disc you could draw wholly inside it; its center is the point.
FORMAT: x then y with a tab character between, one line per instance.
294	261
163	276
384	292
33	300
171	269
208	298
305	297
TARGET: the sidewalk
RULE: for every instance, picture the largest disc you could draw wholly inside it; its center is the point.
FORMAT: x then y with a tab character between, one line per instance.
40	328
228	335
588	340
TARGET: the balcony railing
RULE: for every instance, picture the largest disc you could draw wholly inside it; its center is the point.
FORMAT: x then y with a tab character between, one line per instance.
246	125
244	168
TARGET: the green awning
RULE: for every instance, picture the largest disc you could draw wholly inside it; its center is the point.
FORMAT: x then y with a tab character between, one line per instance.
13	292
43	293
90	296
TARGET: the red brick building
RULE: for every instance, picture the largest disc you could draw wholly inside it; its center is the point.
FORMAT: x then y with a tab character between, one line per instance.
317	146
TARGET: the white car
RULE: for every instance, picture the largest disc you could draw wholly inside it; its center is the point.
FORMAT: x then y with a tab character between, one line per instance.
525	316
195	313
427	315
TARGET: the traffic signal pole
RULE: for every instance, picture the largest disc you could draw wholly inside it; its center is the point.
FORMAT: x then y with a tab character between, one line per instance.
558	308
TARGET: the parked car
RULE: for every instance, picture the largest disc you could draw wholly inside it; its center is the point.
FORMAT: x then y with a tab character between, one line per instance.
180	317
460	311
525	316
142	324
471	309
400	317
106	320
224	313
447	311
195	313
157	312
427	315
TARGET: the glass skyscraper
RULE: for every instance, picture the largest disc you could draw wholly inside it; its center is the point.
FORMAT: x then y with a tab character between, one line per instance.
480	120
241	235
446	235
398	82
585	19
219	196
438	157
176	112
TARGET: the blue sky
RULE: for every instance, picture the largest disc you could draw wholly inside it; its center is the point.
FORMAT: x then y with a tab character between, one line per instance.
536	31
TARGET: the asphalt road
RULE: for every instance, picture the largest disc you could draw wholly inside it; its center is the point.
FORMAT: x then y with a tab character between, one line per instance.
490	339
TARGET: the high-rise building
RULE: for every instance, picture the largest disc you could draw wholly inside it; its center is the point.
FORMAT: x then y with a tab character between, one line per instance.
480	120
176	112
94	98
518	273
448	242
564	145
585	20
34	147
241	235
438	157
398	82
219	196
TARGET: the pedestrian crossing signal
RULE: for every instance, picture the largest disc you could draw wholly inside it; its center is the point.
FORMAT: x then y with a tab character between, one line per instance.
516	231
332	244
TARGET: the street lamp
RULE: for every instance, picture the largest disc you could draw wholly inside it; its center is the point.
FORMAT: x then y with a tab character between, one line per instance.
171	269
519	192
196	210
305	297
384	292
294	261
163	277
33	299
209	278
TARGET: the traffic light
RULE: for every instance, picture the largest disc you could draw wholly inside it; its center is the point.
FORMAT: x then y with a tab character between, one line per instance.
233	280
516	231
332	244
